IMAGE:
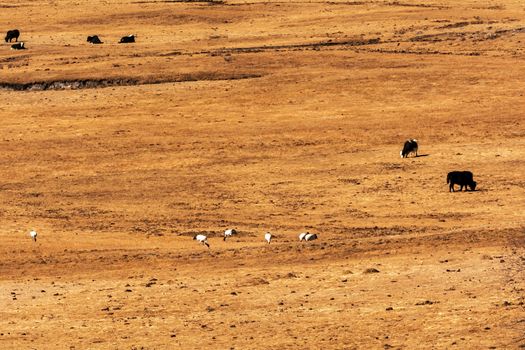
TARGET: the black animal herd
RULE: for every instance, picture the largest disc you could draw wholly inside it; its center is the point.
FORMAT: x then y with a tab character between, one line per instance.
14	34
124	40
462	178
93	39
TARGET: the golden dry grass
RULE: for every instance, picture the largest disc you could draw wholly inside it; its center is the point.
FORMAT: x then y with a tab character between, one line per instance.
263	116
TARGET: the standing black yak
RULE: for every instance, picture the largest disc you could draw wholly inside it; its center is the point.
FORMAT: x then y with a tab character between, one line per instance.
12	34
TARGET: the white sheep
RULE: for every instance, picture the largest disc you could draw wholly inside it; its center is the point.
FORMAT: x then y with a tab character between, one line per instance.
310	237
229	232
33	235
307	236
268	237
202	239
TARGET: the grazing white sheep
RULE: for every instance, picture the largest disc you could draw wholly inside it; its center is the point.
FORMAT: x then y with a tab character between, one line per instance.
229	232
202	239
310	237
302	235
33	235
268	237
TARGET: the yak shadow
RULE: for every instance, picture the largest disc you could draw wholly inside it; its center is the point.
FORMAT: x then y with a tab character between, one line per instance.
478	190
422	155
469	190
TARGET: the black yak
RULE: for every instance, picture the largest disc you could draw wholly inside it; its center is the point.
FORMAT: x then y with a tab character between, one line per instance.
94	39
410	146
461	178
18	46
127	39
12	34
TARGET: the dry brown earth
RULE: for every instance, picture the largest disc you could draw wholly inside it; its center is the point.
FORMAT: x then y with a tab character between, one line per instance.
279	116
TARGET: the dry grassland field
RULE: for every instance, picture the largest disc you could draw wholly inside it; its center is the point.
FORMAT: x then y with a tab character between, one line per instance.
279	116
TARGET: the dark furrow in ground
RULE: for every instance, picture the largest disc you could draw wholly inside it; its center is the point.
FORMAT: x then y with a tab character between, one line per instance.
76	84
264	48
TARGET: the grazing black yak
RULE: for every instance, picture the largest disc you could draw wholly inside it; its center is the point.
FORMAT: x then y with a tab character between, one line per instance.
12	34
461	178
410	146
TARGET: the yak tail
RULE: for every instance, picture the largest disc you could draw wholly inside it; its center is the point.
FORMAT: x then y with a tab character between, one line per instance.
448	178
